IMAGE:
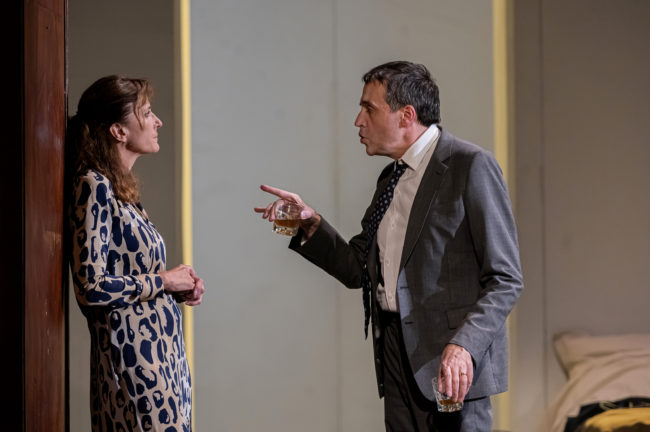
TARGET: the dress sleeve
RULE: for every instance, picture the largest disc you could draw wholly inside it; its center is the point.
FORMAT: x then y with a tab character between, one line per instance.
91	221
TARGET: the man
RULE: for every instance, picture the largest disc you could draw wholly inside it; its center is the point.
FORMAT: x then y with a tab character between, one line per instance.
438	257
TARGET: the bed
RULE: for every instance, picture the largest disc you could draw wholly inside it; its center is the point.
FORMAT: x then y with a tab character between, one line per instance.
609	377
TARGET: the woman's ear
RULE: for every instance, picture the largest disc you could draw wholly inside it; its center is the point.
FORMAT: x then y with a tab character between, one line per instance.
118	131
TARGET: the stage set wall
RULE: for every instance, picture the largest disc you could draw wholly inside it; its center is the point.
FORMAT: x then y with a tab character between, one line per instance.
275	90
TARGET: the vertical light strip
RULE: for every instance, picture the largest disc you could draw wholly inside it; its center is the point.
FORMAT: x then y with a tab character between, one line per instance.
501	43
186	176
502	89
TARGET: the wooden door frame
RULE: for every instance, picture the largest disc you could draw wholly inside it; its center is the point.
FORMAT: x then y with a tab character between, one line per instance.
35	295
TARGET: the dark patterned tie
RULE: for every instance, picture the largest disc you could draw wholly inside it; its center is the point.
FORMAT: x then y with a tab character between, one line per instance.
378	211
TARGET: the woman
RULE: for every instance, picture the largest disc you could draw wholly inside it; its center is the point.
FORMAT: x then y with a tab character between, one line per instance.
140	379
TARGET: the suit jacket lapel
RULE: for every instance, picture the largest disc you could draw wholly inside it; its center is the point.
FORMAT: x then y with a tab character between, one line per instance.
426	193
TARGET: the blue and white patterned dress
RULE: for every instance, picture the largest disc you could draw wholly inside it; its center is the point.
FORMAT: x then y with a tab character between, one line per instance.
140	380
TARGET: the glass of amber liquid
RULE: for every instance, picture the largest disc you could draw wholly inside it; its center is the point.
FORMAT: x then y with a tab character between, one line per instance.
287	218
444	402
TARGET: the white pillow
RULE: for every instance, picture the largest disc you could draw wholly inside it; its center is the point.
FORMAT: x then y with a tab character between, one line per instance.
575	347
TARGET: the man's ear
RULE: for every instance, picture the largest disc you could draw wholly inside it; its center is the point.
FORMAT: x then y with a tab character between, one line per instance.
118	131
408	116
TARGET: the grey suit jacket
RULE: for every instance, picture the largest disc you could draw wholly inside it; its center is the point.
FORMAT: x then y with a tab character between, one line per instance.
459	275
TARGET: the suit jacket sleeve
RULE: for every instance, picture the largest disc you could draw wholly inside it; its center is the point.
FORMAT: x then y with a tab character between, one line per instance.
494	238
329	251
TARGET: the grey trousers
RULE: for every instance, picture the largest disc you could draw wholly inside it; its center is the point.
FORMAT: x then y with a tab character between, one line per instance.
406	409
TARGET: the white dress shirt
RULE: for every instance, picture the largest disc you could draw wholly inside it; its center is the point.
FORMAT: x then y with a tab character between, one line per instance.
392	229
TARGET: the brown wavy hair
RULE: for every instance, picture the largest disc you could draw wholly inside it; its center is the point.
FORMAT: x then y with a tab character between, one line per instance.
89	143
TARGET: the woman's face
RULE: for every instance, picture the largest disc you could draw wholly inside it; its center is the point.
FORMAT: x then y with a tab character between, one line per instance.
142	136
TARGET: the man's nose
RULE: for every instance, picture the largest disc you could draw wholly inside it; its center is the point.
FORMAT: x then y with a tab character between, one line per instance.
358	121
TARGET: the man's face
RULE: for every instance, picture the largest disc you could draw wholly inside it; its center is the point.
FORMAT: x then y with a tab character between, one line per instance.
379	128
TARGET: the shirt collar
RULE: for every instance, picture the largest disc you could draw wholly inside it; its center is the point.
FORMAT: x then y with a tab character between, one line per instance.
415	153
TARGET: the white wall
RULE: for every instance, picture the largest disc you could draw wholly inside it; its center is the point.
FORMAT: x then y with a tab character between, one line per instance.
275	90
583	104
134	39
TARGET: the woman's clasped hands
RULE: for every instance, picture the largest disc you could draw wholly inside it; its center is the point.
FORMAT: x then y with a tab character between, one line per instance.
183	284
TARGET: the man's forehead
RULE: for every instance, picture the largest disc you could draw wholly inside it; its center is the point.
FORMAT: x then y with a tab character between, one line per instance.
373	93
